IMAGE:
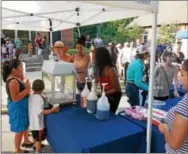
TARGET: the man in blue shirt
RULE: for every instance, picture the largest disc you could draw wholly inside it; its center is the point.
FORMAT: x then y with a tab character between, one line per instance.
135	73
98	42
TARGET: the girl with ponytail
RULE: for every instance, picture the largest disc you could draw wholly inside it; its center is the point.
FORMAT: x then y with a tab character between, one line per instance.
18	93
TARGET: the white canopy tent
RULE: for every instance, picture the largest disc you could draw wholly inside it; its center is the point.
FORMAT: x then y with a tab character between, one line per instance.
59	15
34	15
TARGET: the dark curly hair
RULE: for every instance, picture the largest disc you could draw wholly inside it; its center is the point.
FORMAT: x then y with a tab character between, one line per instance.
38	85
8	66
81	40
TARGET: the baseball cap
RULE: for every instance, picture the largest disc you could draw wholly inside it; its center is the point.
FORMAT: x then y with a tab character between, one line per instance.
142	49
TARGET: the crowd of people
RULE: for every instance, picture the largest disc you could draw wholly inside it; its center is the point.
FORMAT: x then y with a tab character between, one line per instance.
9	47
107	64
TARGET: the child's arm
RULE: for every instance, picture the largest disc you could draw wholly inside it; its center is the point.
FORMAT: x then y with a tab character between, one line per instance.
52	110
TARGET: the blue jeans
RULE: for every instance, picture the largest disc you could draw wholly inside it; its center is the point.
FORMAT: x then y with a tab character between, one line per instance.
132	92
125	71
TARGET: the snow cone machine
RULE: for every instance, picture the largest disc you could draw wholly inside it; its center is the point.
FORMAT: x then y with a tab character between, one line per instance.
60	82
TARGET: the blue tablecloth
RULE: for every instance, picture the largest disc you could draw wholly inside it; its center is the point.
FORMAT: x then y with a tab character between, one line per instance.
157	139
181	91
171	103
74	130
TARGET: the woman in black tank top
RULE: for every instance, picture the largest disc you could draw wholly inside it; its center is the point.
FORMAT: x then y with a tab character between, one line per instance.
18	93
21	87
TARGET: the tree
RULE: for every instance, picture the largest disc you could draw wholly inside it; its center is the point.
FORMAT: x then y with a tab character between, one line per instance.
167	33
135	32
107	31
128	34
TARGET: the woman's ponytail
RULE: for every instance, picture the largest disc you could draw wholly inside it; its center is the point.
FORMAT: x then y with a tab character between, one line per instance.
5	70
8	66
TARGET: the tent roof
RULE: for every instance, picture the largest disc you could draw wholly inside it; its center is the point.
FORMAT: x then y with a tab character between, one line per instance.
169	12
34	15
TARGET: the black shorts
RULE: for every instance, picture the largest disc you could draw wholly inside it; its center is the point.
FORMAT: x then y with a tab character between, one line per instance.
39	135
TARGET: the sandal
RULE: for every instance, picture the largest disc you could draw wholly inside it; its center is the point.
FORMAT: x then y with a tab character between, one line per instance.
20	151
26	145
42	146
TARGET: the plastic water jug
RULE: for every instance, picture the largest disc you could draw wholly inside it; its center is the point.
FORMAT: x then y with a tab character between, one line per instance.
103	106
84	95
92	99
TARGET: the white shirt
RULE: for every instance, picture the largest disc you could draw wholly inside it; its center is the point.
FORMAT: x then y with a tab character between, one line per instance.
119	55
36	106
98	42
4	49
127	55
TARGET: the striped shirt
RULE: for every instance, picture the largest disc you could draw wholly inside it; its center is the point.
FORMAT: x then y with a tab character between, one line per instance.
182	109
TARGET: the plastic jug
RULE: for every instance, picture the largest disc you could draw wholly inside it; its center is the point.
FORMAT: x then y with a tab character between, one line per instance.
92	99
103	106
84	95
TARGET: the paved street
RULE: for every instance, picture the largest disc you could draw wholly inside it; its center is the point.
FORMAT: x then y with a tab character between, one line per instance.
8	137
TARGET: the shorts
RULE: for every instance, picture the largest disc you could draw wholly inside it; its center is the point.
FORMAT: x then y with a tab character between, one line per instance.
39	135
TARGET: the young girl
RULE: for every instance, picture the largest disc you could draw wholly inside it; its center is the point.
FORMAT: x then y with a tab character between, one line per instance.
37	112
106	72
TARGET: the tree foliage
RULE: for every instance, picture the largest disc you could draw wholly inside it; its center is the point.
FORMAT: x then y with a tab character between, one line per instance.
167	33
128	34
115	30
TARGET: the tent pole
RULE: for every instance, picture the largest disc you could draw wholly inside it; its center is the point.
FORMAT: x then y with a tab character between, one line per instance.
51	38
15	34
151	82
78	28
78	24
30	35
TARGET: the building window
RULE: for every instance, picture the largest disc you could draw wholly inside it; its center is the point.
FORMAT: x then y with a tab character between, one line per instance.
145	37
9	33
